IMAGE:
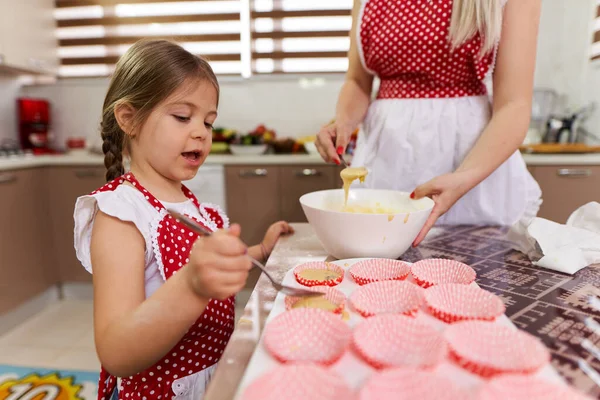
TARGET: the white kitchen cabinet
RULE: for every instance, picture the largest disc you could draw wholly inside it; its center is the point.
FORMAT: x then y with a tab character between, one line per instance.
27	36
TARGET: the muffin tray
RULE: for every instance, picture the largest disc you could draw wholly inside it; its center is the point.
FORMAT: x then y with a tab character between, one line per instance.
351	366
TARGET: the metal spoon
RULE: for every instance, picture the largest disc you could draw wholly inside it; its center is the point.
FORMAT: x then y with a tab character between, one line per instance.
344	161
288	290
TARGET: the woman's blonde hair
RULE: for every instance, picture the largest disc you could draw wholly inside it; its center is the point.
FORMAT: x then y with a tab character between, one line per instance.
148	73
470	17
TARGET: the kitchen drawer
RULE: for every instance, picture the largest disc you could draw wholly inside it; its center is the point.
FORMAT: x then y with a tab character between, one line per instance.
67	184
252	202
566	188
299	180
253	199
28	266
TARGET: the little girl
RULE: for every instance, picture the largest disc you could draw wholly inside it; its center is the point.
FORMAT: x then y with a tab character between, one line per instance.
163	297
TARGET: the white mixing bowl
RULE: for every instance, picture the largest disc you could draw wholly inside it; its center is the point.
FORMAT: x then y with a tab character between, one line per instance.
357	235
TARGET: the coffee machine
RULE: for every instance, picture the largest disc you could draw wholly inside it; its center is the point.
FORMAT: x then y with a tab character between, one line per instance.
34	125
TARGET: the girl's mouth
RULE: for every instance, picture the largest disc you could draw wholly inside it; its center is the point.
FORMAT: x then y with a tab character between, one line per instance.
192	157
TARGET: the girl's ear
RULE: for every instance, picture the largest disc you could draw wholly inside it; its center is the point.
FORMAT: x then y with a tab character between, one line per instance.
125	116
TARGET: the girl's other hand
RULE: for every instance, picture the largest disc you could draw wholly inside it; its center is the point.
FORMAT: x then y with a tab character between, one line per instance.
219	265
273	234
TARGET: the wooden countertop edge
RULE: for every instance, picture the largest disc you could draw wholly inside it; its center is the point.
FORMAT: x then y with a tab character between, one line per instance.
94	160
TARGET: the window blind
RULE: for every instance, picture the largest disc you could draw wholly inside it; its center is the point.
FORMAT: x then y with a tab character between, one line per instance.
596	40
93	34
238	37
300	36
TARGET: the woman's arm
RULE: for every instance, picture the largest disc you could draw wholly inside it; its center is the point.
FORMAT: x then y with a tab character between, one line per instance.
513	91
132	332
353	101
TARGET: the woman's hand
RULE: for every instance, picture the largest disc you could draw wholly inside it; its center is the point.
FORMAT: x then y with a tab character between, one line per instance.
444	190
273	234
332	141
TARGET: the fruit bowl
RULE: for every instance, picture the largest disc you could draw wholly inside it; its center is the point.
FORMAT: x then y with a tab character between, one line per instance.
362	235
248	150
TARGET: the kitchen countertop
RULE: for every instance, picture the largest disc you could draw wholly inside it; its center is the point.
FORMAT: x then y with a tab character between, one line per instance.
562	159
90	159
544	303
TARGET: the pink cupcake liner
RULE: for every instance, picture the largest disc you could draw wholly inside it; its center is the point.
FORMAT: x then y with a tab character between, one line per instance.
436	271
488	349
299	382
332	294
387	297
453	302
379	269
410	384
527	387
307	335
337	271
387	341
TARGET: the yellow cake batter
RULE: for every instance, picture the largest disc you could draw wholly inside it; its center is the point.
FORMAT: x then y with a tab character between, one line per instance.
315	302
348	176
321	275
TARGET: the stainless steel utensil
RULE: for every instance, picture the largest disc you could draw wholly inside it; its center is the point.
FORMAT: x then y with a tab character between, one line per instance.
344	161
288	290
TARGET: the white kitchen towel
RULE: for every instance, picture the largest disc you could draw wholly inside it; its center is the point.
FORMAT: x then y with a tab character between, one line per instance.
563	248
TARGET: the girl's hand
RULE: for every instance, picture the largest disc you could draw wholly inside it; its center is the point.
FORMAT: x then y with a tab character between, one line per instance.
273	234
219	265
332	141
445	190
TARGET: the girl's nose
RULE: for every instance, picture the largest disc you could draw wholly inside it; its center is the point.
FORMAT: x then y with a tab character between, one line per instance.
200	132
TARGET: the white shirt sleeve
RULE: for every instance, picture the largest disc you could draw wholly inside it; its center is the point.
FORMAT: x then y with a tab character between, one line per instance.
124	203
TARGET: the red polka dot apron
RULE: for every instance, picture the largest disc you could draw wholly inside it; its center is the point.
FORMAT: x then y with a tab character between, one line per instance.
405	43
205	341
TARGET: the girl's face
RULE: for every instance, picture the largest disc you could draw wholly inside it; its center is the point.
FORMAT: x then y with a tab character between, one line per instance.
176	137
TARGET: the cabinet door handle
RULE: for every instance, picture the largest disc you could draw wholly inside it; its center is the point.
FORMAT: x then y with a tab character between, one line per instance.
87	173
574	173
308	172
258	172
7	178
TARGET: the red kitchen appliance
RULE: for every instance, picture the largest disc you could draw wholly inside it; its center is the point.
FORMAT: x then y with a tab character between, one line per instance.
34	125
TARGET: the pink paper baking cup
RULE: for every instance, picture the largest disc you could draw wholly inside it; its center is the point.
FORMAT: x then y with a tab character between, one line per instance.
299	382
332	294
438	270
453	302
387	297
379	269
307	335
387	341
410	384
489	349
527	387
338	272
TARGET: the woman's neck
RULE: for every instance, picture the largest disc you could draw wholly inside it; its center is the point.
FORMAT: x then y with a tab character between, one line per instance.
162	188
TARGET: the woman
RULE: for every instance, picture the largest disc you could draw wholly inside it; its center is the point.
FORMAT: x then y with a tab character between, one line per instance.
432	126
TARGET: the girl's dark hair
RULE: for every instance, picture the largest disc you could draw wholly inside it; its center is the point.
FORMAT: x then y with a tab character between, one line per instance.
148	73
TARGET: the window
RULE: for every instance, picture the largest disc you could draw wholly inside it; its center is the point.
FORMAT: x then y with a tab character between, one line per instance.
596	40
93	34
300	36
238	37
